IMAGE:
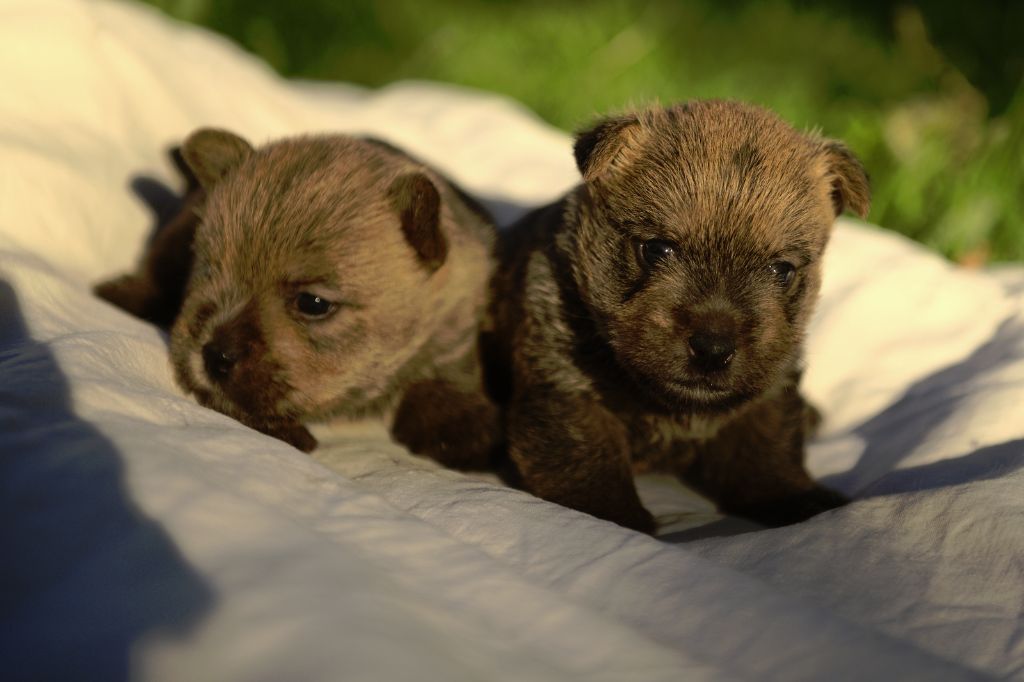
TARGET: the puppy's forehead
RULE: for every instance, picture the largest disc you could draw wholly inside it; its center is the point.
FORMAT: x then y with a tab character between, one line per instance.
298	199
726	169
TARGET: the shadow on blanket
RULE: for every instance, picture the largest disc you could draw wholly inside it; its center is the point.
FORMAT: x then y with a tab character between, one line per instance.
896	432
84	575
994	461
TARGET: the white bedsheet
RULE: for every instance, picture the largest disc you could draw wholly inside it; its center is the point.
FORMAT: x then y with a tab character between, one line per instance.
143	536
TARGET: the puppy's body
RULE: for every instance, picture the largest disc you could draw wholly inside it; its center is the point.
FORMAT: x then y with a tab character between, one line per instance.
654	317
334	277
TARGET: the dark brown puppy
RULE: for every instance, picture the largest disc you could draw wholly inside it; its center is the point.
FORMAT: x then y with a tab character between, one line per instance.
654	317
327	277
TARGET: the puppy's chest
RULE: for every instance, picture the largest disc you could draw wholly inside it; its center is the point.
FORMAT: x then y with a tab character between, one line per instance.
660	443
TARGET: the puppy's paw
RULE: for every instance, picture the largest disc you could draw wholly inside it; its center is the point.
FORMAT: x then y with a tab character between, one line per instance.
294	434
639	520
793	508
623	509
458	429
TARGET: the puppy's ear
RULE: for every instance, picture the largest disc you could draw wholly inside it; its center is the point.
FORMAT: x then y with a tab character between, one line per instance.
851	189
178	159
211	153
609	145
418	204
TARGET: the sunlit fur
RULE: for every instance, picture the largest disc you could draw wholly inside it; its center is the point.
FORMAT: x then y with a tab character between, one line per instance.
314	215
734	189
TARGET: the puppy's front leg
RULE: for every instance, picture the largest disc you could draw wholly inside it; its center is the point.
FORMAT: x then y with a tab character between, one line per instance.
460	429
293	433
754	466
572	451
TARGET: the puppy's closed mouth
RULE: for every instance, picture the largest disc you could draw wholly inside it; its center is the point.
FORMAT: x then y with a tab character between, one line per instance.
702	395
700	386
701	391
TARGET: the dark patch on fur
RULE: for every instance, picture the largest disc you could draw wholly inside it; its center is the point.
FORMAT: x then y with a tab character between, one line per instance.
747	158
418	204
201	318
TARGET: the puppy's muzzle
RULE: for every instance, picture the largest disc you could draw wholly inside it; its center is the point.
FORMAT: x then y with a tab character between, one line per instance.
234	343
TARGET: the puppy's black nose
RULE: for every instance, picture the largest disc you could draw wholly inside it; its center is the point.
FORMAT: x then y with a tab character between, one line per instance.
217	362
712	351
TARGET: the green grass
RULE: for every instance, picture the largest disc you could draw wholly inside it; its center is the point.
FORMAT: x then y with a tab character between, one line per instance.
940	126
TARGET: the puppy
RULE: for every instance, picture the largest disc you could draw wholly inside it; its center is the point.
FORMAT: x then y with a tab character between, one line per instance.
327	277
653	318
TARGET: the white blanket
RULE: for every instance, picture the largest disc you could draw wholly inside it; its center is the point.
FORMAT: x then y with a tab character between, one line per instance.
143	536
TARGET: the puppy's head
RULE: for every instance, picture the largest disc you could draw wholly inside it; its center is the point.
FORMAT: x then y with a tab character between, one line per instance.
317	264
698	247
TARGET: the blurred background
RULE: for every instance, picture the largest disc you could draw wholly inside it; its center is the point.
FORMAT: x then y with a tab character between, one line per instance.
930	95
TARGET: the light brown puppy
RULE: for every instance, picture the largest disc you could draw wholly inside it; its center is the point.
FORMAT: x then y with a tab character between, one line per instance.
654	317
333	277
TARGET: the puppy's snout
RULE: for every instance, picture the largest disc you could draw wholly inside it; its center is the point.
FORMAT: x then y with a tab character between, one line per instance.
712	351
712	339
218	361
233	343
713	346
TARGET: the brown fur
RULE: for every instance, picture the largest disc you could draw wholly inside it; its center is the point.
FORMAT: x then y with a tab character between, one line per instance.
398	253
610	363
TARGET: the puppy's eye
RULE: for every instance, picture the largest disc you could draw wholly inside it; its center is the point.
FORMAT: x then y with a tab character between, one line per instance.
312	305
783	272
654	251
